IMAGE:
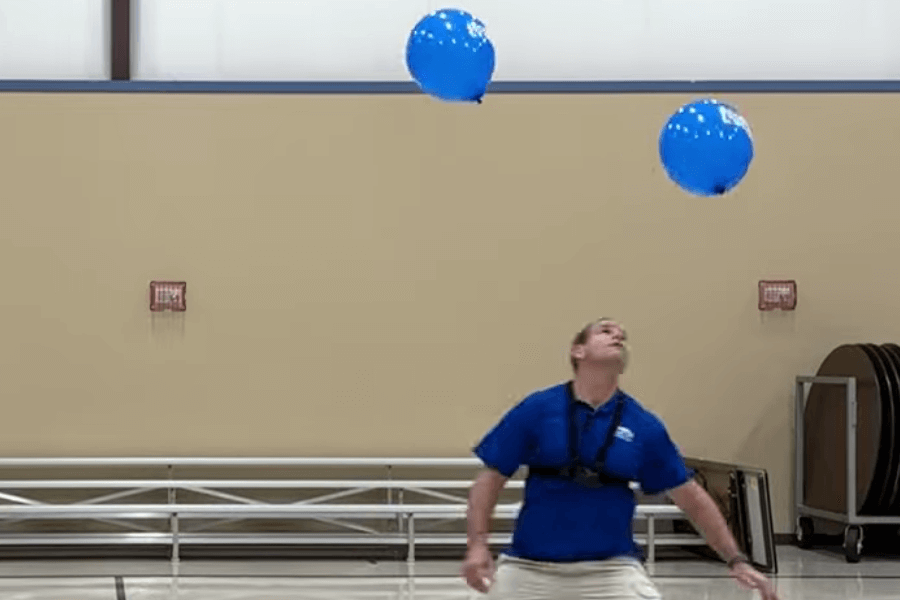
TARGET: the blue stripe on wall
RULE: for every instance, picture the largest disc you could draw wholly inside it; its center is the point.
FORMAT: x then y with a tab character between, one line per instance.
401	87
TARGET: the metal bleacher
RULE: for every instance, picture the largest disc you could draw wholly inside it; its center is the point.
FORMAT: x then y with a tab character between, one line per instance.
403	503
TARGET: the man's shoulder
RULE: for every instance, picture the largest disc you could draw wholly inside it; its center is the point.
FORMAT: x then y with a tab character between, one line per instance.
546	397
556	391
644	416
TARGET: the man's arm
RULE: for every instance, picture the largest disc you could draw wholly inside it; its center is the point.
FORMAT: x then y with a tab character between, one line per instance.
483	496
703	512
478	567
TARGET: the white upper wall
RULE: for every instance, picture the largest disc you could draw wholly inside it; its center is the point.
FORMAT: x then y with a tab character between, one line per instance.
535	39
54	39
364	40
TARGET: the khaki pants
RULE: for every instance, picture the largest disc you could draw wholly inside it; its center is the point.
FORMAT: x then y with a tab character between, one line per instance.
614	579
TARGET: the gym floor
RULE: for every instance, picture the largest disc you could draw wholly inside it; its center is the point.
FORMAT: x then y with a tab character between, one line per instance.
818	574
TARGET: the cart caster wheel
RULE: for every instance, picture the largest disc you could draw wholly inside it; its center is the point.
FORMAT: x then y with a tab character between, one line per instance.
804	532
853	538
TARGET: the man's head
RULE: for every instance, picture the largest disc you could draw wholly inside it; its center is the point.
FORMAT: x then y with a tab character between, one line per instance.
600	343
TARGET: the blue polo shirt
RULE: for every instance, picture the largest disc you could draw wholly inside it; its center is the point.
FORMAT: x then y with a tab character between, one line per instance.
560	519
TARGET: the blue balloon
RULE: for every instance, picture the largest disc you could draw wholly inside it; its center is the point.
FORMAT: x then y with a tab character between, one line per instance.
450	57
706	147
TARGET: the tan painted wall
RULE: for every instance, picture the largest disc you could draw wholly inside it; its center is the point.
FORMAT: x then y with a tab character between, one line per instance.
386	275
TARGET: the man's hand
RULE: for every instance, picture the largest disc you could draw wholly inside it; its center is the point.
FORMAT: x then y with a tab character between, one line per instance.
751	579
478	568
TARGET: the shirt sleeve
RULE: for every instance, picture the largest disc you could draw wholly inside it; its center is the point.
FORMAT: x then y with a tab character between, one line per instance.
505	447
663	466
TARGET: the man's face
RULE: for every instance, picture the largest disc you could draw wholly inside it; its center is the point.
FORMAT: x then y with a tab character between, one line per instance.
604	345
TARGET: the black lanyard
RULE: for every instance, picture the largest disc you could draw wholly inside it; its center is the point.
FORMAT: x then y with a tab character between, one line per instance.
593	475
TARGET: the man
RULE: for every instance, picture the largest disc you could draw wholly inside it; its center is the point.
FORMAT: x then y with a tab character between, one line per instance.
585	442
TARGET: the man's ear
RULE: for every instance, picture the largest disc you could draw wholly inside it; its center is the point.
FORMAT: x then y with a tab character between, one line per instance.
577	351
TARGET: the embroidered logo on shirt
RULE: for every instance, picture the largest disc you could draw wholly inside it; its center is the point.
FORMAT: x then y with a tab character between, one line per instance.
623	433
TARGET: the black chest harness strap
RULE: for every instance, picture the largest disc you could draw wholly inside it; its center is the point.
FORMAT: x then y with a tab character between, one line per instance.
594	475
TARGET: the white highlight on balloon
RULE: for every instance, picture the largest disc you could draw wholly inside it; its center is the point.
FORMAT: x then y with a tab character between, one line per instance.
732	118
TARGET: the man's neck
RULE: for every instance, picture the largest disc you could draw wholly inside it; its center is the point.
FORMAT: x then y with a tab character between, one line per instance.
595	388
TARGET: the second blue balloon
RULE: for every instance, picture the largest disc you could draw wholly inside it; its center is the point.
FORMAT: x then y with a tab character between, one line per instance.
450	57
706	147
